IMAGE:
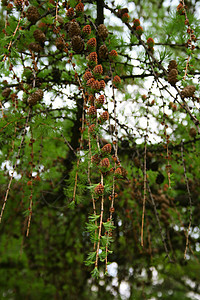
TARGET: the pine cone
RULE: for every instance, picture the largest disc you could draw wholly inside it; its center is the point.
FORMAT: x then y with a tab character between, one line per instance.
104	116
92	111
79	7
77	44
74	29
91	99
121	12
125	17
116	81
139	30
95	85
93	57
88	75
60	43
105	163
118	172
32	14
90	82
102	85
113	53
192	132
103	52
35	97
6	92
86	30
39	36
100	101
91	129
99	189
70	12
98	69
107	149
172	76
18	3
136	23
95	159
35	47
172	65
188	91
102	31
91	44
150	42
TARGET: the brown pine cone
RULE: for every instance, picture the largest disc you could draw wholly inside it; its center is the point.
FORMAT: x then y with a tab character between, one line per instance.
32	14
60	44
172	65
105	163
139	30
102	31
74	29
118	172
86	30
95	85
91	99
93	57
35	97
113	53
124	172
107	149
39	36
6	92
172	76
122	11
88	75
102	85
104	116
136	23
35	47
98	69
116	81
70	12
18	3
103	52
77	44
188	91
95	159
91	44
90	82
99	101
99	189
79	7
91	129
192	132
92	111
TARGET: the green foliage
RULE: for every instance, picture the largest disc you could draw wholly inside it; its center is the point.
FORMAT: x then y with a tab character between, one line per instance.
82	206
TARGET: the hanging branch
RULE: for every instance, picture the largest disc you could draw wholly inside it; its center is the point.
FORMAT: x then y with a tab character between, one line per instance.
100	226
190	201
15	31
15	165
145	186
159	225
30	183
90	183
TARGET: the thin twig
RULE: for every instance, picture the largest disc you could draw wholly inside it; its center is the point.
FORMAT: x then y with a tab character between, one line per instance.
15	165
190	201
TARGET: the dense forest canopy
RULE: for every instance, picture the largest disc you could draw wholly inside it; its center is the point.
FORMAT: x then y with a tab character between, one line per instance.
99	135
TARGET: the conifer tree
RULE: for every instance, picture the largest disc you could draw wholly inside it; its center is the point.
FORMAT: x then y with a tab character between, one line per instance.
99	136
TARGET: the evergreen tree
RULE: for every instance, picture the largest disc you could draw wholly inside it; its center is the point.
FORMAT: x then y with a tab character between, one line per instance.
99	136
